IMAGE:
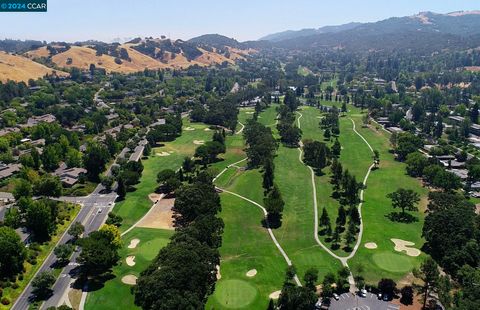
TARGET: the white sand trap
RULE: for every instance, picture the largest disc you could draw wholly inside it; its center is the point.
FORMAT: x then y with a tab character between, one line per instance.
219	275
404	246
133	243
130	260
129	279
207	129
163	154
275	295
249	112
251	273
371	245
198	142
189	129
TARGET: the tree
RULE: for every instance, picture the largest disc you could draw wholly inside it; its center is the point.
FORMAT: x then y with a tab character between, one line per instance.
327	285
50	157
49	186
274	205
407	295
121	188
474	113
429	275
376	158
13	252
342	216
407	143
316	155
98	253
416	162
387	287
114	219
42	284
23	188
114	233
107	182
169	180
63	252
40	220
268	175
95	159
209	151
405	199
76	229
336	148
310	278
324	221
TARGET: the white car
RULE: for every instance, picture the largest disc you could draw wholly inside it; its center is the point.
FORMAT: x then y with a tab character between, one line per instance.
363	292
335	295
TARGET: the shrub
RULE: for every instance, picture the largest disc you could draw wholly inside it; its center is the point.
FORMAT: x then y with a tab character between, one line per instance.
5	301
15	285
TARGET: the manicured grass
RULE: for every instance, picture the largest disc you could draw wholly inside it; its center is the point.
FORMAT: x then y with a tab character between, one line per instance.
391	262
246	245
115	293
377	227
234	294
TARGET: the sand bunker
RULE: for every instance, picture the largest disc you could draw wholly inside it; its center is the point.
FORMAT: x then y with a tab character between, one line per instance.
198	142
189	128
161	216
251	273
404	246
207	129
130	260
250	112
275	295
133	243
163	154
129	279
371	245
219	275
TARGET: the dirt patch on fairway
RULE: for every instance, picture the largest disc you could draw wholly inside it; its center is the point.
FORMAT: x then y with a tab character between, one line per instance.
249	112
219	275
189	129
163	154
405	246
207	129
130	260
161	216
133	243
130	279
74	296
198	142
275	295
371	245
251	273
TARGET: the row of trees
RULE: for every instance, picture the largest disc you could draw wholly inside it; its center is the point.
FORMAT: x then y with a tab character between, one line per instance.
184	272
290	134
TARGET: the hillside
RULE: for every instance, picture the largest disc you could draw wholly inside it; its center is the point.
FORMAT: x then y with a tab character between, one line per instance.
139	54
19	68
291	34
425	32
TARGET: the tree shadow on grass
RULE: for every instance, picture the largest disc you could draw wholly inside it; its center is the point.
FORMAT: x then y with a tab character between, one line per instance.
272	221
401	217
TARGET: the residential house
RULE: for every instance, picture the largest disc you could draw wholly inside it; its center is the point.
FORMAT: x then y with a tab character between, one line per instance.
69	176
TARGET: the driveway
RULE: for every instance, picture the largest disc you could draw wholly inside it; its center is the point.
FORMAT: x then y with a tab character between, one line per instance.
348	301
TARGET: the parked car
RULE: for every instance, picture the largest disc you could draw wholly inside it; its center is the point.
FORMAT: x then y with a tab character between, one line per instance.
335	295
379	295
363	292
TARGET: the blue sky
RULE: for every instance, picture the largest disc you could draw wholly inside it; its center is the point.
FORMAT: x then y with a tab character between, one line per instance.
72	20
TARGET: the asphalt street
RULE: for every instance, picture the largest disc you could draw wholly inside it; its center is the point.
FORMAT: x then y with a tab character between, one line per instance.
348	301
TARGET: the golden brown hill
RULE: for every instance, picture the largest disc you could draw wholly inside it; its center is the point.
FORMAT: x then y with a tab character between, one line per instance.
19	68
83	56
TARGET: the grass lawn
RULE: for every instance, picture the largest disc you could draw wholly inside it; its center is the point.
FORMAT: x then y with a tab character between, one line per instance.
115	293
45	250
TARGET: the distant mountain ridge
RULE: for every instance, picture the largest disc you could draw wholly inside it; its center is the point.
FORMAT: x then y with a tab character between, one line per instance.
291	34
426	32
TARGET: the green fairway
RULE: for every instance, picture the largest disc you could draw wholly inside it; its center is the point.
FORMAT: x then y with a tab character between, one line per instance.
395	263
235	294
115	292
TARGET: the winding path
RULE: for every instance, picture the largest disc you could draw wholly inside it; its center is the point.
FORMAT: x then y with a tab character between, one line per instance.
342	259
241	129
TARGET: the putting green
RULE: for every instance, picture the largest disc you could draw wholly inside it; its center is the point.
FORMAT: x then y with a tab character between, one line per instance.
235	294
393	262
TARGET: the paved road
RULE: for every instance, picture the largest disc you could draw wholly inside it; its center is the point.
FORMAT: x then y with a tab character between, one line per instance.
91	218
348	301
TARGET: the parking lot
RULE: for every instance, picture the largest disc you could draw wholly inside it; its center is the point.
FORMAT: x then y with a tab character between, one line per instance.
348	301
